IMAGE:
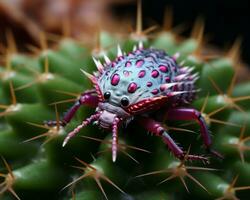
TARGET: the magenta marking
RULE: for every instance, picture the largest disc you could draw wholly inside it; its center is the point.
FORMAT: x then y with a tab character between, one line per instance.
120	58
167	79
115	79
128	64
126	73
163	68
176	88
149	84
162	88
155	91
139	63
142	73
132	87
154	73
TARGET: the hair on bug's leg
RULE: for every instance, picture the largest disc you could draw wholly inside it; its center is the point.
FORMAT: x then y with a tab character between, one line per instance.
157	129
87	98
78	128
115	138
193	114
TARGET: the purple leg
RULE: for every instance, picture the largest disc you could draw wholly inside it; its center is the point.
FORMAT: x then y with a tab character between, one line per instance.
78	128
87	98
192	114
157	129
115	138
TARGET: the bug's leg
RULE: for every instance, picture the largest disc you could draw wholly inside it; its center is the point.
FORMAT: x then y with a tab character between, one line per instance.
87	98
78	128
114	138
156	128
192	114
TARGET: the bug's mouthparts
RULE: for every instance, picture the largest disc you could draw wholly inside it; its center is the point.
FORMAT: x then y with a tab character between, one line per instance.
106	119
118	111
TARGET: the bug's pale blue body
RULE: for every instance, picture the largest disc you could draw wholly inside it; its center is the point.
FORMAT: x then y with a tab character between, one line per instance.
142	74
137	84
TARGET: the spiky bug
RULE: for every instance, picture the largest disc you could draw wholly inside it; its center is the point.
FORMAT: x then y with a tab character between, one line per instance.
137	86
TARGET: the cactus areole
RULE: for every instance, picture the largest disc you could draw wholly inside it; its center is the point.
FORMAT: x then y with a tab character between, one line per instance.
139	86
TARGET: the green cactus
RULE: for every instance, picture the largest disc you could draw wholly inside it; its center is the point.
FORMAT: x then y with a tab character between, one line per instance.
36	166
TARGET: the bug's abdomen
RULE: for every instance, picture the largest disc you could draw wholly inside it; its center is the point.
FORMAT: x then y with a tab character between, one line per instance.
146	73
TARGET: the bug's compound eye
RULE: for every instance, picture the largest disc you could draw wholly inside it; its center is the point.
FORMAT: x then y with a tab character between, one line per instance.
107	95
124	101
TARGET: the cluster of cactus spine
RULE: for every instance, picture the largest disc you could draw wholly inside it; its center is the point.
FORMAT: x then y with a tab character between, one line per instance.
35	88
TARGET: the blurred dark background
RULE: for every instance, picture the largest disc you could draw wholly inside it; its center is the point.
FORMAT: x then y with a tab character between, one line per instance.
225	20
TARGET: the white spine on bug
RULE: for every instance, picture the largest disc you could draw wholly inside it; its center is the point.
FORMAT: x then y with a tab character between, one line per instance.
134	48
140	45
106	58
90	76
176	55
119	51
98	64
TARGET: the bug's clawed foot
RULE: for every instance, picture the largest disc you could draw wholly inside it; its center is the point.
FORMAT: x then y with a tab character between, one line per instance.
51	123
194	157
215	153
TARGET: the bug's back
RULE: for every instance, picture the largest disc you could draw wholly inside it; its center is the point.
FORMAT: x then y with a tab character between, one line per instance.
146	73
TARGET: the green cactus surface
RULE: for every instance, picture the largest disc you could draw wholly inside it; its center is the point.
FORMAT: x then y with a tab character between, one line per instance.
41	86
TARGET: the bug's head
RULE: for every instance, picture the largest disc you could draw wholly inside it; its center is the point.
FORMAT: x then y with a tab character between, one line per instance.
125	108
126	98
114	105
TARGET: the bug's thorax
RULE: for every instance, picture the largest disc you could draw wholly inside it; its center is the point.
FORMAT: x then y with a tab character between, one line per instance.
109	113
140	82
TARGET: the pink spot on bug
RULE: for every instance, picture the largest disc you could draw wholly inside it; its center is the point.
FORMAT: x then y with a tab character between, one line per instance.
149	84
132	87
162	88
141	74
163	68
120	58
126	73
176	88
128	64
155	91
139	63
167	79
154	73
115	79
